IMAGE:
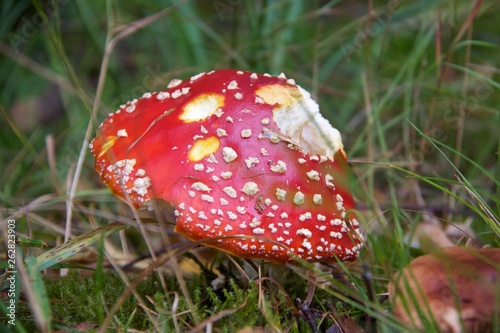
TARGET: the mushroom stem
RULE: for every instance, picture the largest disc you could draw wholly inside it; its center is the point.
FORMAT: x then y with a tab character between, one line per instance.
305	306
311	278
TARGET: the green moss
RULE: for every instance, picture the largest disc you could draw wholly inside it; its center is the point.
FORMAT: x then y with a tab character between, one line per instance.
77	300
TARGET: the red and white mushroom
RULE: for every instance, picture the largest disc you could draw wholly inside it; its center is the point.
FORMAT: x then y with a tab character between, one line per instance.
246	160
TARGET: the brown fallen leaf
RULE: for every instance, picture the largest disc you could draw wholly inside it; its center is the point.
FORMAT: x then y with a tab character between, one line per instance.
457	288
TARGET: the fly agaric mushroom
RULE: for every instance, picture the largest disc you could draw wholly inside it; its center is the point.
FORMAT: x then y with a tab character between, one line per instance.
457	288
245	159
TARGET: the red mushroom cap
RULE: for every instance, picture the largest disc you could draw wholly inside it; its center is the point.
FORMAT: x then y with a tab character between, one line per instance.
244	158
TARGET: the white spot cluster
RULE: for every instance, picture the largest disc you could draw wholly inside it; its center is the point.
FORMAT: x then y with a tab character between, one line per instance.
122	170
121	175
141	186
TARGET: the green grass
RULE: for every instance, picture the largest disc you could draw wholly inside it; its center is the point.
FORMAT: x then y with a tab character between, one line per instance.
416	102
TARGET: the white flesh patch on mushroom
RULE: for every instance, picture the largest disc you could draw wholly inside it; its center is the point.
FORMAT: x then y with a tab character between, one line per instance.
298	117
